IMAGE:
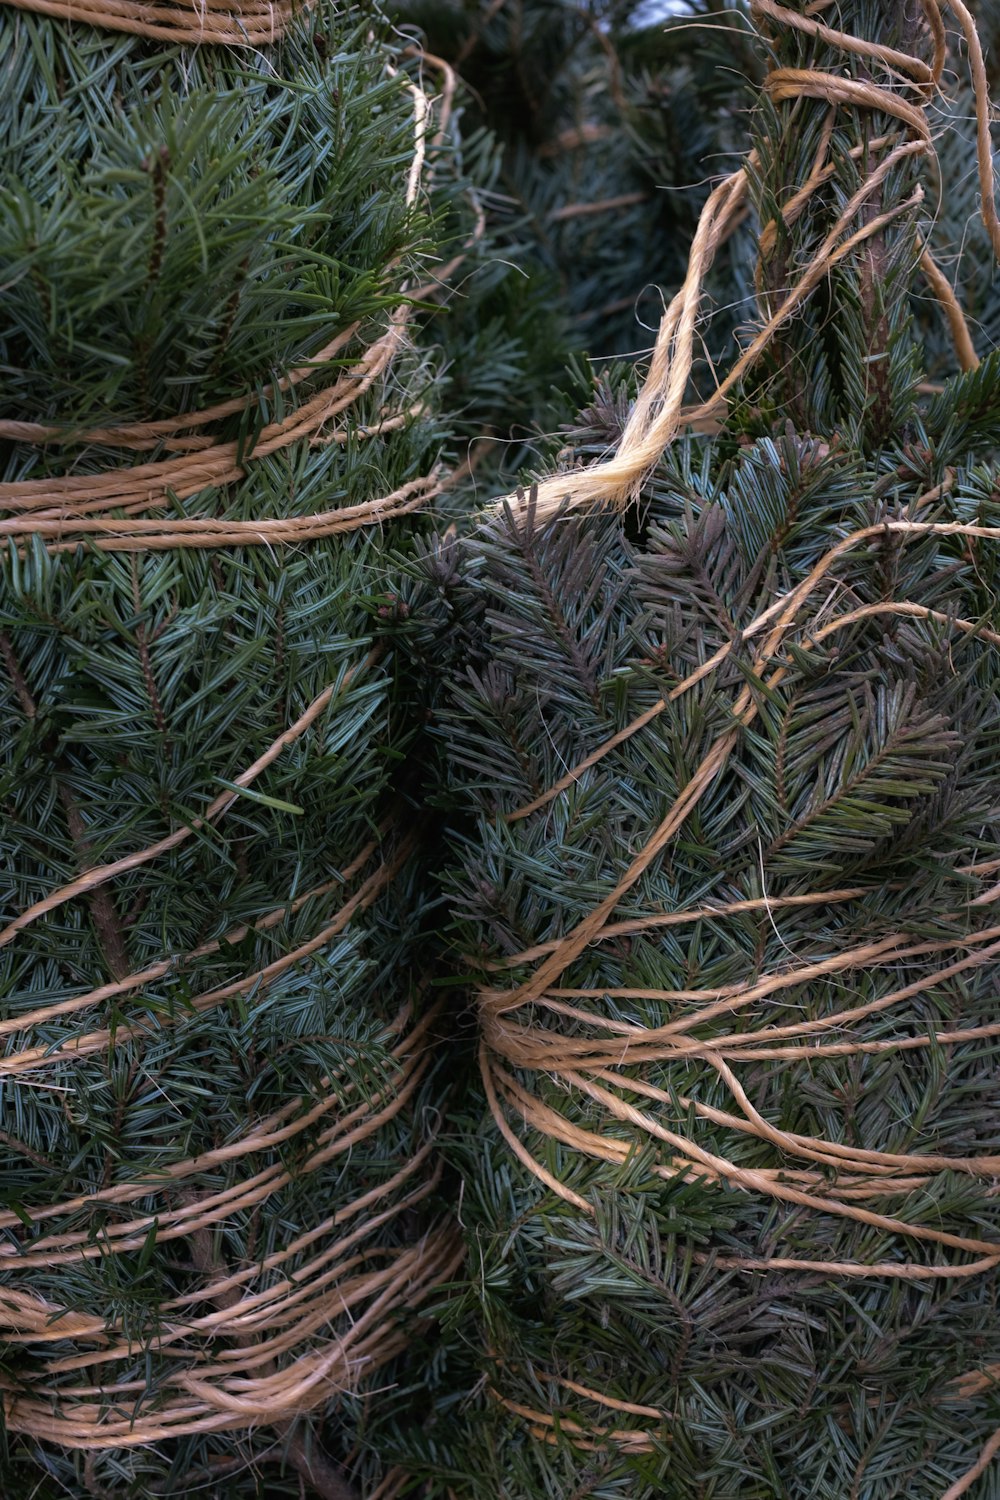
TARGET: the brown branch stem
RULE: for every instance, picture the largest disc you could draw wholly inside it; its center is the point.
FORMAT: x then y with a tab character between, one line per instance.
107	922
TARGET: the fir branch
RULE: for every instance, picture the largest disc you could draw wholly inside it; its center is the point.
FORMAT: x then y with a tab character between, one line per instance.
107	923
712	1160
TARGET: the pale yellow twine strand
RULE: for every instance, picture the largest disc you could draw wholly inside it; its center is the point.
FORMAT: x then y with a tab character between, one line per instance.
659	414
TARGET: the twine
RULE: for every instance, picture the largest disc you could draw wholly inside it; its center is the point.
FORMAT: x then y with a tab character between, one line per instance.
659	413
250	23
846	1182
595	1437
294	1341
583	1060
550	1426
393	1485
603	1061
266	1316
297	1319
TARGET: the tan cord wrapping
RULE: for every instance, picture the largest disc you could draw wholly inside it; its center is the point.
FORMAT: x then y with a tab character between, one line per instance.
594	1437
268	1318
538	1048
291	1349
588	1065
250	23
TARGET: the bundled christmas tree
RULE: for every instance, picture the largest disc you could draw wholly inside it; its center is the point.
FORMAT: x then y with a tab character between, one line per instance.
219	231
724	758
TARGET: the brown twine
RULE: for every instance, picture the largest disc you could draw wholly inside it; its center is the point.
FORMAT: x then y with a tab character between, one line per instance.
659	413
266	1318
594	1437
590	1439
100	874
548	1428
392	1486
961	1486
823	1176
586	210
588	1065
532	1047
298	1319
250	23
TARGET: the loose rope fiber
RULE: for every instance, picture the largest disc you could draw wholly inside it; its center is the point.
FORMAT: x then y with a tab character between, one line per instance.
659	413
604	1061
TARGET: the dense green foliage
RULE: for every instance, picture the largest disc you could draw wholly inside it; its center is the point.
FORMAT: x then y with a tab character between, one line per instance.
180	227
179	223
661	1316
666	1314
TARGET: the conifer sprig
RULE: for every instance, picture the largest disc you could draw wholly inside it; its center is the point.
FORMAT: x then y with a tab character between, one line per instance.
735	960
217	1076
195	223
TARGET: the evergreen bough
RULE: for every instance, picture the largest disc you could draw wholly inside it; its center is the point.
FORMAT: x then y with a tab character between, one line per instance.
217	403
724	774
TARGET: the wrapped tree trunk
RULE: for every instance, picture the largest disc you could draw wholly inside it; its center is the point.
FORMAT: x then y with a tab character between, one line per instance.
728	875
215	416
